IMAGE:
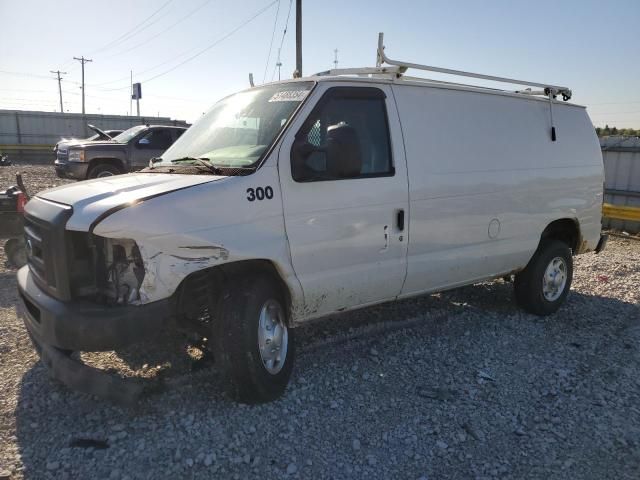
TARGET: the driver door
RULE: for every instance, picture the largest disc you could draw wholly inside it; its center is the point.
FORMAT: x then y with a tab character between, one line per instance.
149	145
346	230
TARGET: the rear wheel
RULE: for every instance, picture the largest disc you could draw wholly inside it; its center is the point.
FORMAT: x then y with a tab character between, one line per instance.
254	346
104	170
545	282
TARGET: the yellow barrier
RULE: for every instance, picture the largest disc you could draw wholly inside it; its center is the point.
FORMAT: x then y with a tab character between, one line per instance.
619	212
16	147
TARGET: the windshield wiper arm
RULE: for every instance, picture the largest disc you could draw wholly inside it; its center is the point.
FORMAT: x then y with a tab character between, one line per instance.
204	161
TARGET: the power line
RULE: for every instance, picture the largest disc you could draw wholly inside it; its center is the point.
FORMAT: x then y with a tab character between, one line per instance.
160	32
147	41
284	33
211	45
21	74
273	34
137	32
31	90
128	32
186	52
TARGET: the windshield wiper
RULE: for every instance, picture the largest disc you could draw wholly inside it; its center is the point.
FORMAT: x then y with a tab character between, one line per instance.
204	161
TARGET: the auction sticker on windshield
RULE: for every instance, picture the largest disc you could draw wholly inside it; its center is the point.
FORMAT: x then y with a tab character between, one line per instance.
289	96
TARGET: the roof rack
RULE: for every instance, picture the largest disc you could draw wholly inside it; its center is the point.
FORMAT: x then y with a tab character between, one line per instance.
397	68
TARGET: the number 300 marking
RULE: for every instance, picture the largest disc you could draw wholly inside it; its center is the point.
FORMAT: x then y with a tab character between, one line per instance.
259	193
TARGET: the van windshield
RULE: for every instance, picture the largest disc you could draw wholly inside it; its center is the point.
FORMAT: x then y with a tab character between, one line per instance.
239	129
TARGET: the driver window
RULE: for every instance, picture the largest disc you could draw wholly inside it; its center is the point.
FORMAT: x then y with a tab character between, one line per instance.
157	140
362	108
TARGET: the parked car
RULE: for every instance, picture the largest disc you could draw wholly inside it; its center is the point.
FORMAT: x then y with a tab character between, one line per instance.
308	197
130	150
65	143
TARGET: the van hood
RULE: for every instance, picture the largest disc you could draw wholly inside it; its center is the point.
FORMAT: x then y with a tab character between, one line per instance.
94	200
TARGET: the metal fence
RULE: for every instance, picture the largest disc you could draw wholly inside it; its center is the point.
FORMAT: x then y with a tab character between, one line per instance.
622	178
29	136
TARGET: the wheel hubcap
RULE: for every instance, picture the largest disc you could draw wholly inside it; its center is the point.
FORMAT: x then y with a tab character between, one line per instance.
555	279
104	174
273	337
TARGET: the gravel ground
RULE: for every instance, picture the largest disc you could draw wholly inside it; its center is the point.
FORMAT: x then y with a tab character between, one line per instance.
455	385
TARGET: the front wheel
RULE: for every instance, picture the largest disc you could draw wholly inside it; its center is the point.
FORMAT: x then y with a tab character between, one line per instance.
545	282
104	170
254	346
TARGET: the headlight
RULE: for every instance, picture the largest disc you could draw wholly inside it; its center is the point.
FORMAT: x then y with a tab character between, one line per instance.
76	155
125	269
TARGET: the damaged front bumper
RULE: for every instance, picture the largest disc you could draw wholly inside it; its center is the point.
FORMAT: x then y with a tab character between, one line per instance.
58	328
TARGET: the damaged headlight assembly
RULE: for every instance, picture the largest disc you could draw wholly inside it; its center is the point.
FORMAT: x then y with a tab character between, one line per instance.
124	270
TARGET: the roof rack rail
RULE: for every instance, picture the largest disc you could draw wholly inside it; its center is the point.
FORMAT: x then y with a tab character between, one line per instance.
397	68
548	90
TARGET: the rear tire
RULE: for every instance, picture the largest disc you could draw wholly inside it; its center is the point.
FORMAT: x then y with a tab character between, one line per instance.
543	285
104	170
253	345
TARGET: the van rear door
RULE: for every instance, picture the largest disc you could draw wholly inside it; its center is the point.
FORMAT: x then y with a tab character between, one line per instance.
346	222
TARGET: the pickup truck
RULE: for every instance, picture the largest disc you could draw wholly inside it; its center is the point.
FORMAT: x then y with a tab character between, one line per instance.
130	150
65	143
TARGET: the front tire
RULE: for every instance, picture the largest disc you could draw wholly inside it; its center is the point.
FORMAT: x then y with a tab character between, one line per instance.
543	285
253	345
104	170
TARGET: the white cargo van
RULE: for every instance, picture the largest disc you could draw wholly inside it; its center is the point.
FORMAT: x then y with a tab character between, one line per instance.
306	197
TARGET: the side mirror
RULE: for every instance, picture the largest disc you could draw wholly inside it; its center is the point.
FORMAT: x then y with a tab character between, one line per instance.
300	152
344	155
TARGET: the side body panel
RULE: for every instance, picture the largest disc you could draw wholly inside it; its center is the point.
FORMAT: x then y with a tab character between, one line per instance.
205	226
100	151
346	247
485	179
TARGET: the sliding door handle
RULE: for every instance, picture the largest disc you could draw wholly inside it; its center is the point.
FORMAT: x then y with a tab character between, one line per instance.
400	220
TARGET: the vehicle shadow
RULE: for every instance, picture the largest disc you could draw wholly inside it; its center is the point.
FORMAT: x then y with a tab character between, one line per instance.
9	289
59	430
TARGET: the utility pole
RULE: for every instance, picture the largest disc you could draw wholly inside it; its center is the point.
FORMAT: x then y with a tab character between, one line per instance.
83	60
131	95
335	58
278	64
58	72
298	38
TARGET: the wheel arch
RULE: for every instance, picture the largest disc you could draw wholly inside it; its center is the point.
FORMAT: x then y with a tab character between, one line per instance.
218	274
116	162
264	266
566	230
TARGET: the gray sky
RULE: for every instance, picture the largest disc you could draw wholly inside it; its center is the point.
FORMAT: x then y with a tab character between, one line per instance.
190	53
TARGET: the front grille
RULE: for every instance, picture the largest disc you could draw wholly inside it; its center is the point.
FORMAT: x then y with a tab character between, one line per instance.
34	235
44	229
